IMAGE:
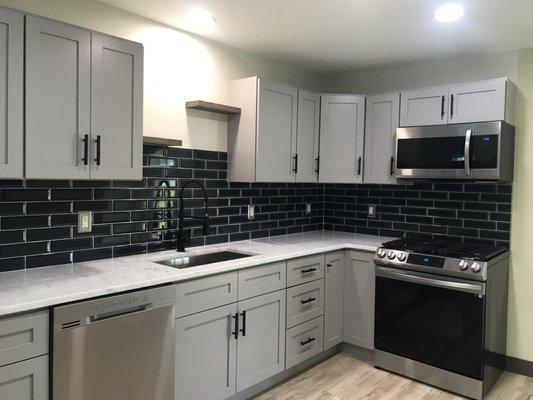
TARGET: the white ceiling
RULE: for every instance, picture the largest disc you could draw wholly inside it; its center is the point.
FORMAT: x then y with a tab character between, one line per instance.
332	36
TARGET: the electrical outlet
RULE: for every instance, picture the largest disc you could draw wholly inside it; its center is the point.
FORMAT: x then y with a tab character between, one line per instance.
251	212
371	211
85	221
307	208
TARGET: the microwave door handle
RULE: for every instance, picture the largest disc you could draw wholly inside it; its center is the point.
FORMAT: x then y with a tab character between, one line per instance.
467	151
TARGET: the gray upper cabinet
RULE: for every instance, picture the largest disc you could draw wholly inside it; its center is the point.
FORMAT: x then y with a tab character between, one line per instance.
382	119
11	93
261	343
426	106
58	95
334	299
116	108
359	289
83	103
341	138
308	134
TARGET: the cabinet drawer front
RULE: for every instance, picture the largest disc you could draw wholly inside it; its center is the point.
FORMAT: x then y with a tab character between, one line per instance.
264	279
304	341
305	269
23	337
305	302
206	293
25	380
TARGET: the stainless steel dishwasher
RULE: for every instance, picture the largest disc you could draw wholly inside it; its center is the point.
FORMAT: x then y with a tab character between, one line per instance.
115	348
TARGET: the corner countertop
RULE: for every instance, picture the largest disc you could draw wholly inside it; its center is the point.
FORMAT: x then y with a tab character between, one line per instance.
36	288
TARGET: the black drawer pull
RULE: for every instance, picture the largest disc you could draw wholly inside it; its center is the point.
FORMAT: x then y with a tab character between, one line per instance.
309	300
243	330
304	342
236	332
306	271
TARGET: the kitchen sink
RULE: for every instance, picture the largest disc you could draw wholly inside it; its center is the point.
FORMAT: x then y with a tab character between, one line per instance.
202	259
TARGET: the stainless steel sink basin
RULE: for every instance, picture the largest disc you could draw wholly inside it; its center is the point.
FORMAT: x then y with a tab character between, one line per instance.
202	259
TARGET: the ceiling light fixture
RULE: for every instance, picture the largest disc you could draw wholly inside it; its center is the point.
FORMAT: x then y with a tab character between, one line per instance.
450	12
200	20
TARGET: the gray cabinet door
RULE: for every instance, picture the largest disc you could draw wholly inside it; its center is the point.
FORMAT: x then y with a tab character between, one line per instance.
276	132
58	106
25	380
116	108
359	288
11	93
428	106
341	138
382	119
261	347
307	138
334	299
477	101
206	355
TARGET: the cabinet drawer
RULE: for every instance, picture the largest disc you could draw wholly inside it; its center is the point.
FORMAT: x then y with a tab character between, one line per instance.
206	293
305	302
304	341
23	336
264	279
305	269
25	380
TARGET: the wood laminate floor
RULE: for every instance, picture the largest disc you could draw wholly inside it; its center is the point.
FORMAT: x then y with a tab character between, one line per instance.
343	377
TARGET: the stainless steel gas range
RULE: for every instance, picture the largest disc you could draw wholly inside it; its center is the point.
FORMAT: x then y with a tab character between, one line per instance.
441	312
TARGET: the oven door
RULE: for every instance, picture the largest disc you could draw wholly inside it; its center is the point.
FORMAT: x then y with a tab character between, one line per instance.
431	319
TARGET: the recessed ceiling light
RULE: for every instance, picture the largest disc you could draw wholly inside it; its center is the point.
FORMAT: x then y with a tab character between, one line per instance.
450	12
200	20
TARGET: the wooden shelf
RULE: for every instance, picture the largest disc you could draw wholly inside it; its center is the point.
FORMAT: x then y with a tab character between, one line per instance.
161	141
212	107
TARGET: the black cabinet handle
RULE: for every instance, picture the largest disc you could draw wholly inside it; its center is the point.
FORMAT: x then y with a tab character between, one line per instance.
329	265
442	108
305	271
359	166
304	342
85	158
317	165
243	330
98	142
451	106
295	159
309	300
235	333
392	165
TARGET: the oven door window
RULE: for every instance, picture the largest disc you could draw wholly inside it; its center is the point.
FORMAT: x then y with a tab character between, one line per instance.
431	153
439	327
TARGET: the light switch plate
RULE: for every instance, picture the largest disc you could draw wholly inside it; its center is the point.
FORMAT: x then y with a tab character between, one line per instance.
251	212
371	211
307	208
85	221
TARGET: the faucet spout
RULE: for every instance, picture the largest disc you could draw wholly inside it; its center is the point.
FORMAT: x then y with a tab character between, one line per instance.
183	238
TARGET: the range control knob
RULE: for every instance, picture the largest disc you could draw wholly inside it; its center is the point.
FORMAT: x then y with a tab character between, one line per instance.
381	253
391	255
463	265
402	257
475	267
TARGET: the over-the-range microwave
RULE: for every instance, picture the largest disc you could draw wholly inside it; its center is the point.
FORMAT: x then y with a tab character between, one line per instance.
477	151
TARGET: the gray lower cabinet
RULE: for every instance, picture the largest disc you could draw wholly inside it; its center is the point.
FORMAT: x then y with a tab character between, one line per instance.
11	93
359	289
206	355
25	380
83	103
261	343
334	299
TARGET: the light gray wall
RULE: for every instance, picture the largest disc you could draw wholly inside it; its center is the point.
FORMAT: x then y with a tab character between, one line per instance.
428	73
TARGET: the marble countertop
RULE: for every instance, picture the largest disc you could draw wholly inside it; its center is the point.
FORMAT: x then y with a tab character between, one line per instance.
47	286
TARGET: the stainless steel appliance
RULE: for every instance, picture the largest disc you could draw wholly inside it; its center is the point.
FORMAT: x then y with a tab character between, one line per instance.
479	151
441	312
115	348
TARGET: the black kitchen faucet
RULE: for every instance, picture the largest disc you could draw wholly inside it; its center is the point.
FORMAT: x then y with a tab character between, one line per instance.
184	237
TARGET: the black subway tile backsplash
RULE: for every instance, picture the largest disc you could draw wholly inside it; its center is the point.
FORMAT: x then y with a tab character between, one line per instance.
38	218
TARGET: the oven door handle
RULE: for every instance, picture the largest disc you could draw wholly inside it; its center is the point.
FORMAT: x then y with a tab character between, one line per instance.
424	279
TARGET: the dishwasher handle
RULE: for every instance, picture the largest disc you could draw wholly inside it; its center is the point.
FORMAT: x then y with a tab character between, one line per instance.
118	313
